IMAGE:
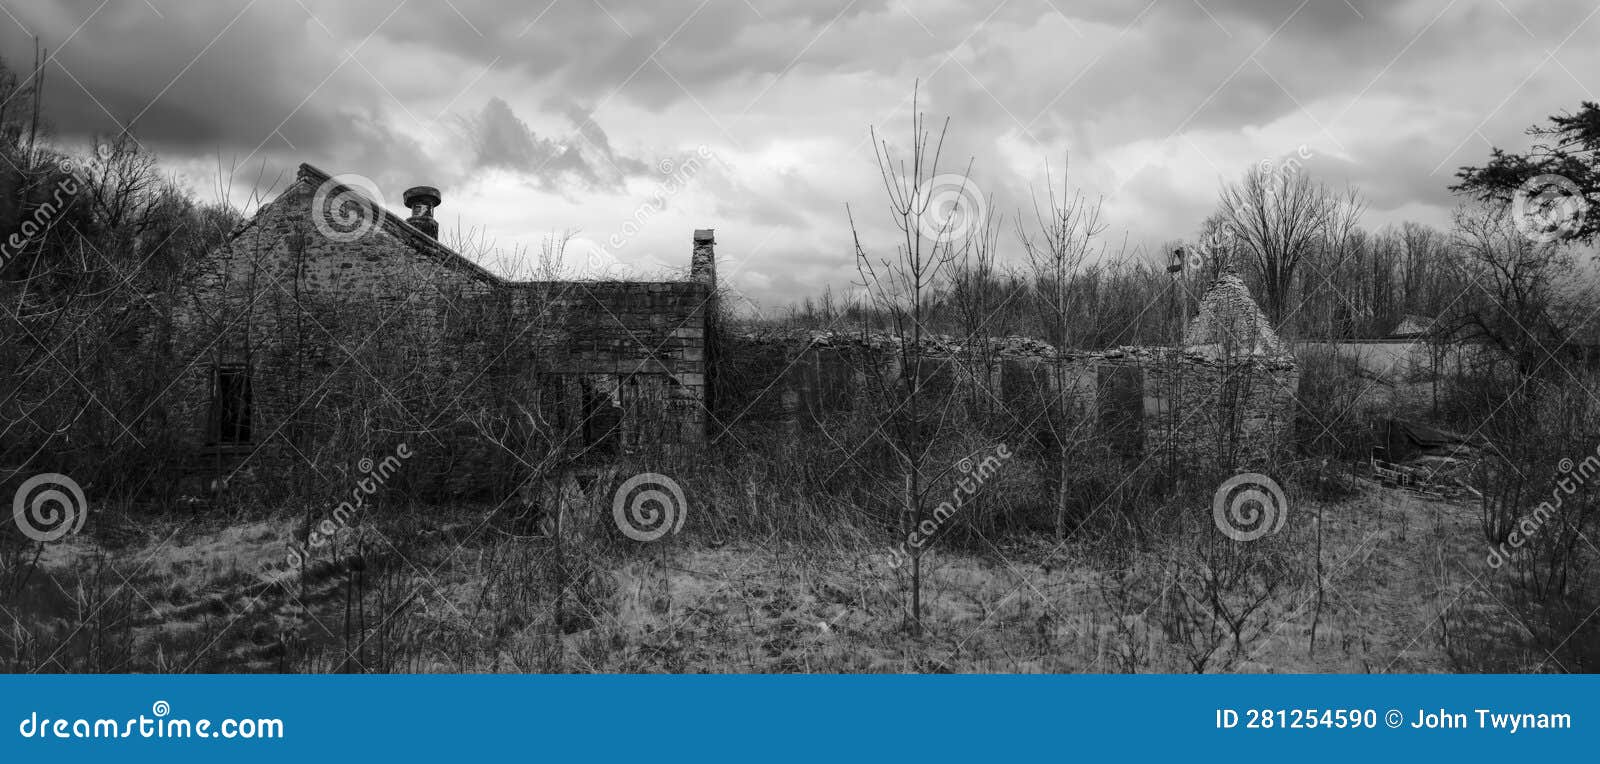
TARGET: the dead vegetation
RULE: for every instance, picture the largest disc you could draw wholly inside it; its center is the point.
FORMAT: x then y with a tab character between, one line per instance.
1074	558
435	589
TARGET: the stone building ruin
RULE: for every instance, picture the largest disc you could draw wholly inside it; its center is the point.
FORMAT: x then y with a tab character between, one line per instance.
324	308
1225	396
328	328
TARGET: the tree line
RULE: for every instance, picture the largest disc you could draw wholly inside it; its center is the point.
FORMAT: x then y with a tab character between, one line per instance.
1513	274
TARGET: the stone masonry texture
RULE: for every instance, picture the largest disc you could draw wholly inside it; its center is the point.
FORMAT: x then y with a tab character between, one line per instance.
358	331
1225	398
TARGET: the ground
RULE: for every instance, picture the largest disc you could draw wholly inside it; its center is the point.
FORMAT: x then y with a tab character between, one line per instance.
1405	576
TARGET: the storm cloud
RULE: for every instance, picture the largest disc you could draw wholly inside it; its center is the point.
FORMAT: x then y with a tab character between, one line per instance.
545	116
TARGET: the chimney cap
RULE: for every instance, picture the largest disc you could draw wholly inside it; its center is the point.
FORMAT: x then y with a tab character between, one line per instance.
704	234
422	195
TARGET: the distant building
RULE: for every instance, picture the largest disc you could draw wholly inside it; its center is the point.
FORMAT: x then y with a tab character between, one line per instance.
1412	327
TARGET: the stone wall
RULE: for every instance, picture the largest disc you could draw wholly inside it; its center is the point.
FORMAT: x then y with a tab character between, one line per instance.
643	343
1180	407
354	335
1223	400
356	331
1201	412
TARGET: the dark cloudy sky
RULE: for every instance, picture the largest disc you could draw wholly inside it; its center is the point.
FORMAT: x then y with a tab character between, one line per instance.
537	116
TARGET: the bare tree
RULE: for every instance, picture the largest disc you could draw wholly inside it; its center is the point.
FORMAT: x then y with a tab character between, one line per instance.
1283	221
1528	299
980	293
1068	231
902	287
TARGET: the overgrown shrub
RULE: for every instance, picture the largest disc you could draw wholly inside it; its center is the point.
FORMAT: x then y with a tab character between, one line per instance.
1333	408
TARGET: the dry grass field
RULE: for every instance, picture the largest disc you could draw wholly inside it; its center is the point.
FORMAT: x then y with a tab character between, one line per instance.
1405	589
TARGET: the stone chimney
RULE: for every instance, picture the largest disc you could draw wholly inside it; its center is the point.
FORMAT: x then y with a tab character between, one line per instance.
703	266
422	200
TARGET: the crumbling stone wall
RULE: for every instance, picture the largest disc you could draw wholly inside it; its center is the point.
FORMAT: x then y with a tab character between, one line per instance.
1201	412
641	344
1224	400
1167	405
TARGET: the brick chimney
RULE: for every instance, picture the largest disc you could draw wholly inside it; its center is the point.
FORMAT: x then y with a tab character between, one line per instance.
703	266
703	269
422	200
